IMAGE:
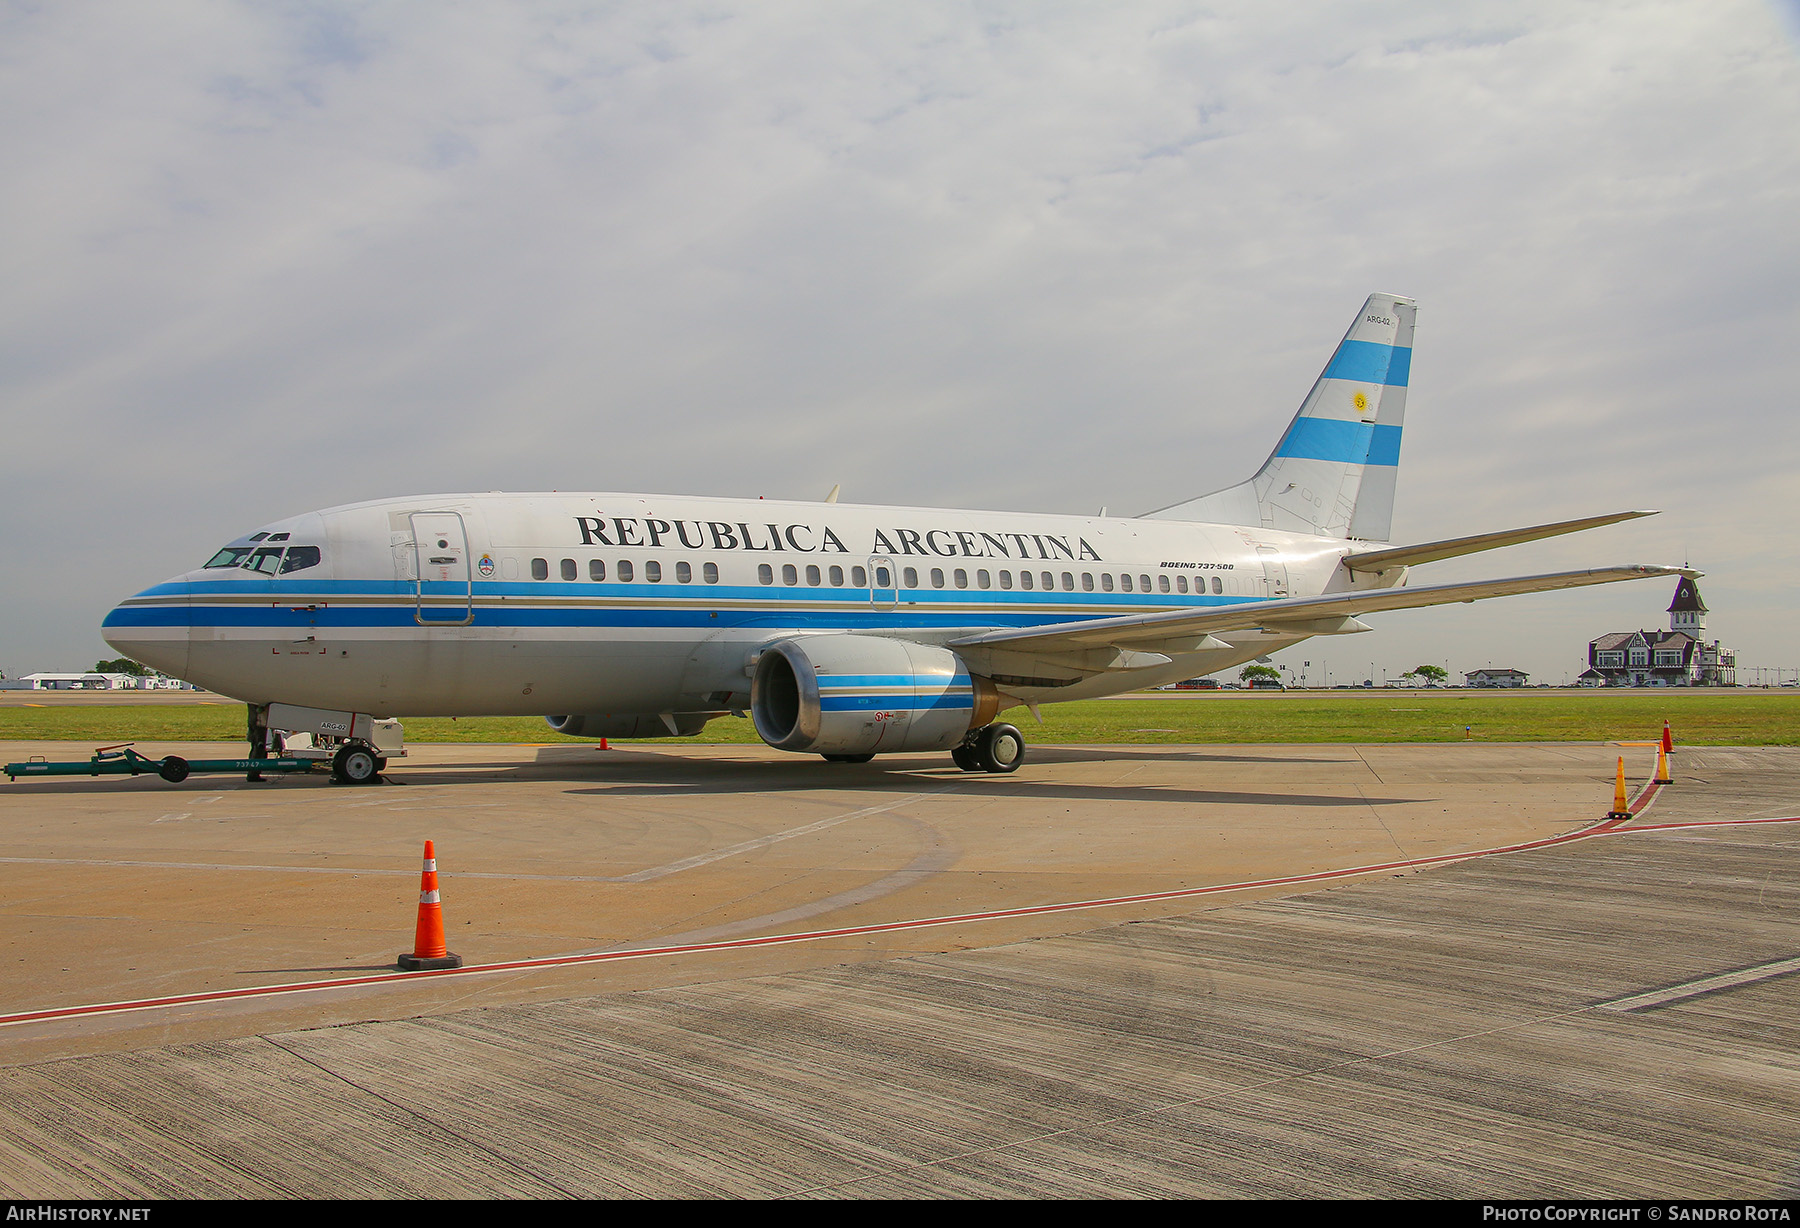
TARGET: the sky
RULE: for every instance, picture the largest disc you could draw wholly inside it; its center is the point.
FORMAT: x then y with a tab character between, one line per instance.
261	258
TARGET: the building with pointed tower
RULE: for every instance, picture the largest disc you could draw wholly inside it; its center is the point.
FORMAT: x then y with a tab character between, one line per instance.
1679	656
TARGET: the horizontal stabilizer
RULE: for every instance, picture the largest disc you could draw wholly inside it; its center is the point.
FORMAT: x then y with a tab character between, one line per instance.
1297	614
1453	547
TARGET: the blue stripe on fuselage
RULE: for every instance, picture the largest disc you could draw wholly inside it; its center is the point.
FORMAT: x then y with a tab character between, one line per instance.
575	616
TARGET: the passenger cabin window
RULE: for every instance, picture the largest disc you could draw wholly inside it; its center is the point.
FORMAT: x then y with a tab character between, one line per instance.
1162	584
596	570
624	571
910	575
1217	587
1105	581
813	576
983	579
765	573
540	569
883	578
568	569
937	577
859	577
837	577
711	573
962	578
1144	584
1087	581
684	573
1125	583
1181	584
1024	579
1006	579
789	575
653	571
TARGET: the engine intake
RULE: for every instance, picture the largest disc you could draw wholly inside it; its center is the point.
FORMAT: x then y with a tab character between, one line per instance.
864	695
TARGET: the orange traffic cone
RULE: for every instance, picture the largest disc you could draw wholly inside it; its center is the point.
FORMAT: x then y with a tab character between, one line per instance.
428	940
1621	804
1662	767
1668	744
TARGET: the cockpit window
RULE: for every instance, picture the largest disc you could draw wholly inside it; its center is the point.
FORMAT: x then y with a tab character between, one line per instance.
265	561
230	556
299	557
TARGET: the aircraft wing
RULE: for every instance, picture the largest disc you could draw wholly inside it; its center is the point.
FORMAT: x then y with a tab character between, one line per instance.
1330	614
1431	552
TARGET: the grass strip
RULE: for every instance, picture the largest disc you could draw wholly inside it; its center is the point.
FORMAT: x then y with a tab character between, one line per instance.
1727	718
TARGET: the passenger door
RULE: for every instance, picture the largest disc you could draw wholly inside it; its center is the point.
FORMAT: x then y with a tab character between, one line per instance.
445	594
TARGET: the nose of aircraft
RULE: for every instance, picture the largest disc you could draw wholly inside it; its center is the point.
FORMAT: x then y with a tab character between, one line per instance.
152	627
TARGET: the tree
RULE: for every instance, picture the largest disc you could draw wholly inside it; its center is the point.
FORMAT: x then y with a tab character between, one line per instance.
123	665
1254	673
1434	675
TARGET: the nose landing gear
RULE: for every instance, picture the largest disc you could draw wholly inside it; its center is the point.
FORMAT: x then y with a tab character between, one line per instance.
992	748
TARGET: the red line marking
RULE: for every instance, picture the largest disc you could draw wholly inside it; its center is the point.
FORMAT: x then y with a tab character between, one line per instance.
1606	827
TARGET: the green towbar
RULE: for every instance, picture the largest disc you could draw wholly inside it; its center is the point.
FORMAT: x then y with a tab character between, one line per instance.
121	760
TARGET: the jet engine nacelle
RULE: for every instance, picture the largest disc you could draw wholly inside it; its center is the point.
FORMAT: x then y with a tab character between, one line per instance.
864	695
606	725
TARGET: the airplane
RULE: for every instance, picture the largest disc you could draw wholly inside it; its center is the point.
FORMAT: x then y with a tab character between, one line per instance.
844	630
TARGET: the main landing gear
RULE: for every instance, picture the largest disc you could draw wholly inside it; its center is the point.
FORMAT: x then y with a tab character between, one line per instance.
992	748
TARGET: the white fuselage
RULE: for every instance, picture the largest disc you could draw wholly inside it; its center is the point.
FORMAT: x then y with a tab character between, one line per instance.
493	604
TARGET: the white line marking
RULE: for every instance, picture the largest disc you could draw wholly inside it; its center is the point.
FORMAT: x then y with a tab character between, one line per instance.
1704	985
763	842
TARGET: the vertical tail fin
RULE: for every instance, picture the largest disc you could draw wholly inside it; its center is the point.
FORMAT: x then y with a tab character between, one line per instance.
1333	471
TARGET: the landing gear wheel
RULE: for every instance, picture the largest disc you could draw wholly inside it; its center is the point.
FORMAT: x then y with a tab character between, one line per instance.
174	769
1000	748
964	755
355	765
847	758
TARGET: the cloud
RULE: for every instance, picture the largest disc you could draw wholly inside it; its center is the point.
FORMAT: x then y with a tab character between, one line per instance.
267	258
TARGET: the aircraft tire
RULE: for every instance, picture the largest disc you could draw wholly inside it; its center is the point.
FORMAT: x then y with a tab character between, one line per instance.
355	765
1000	748
964	756
846	758
174	769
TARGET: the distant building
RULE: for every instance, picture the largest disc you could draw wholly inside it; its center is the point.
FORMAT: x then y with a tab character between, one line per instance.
1679	656
1496	677
93	682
